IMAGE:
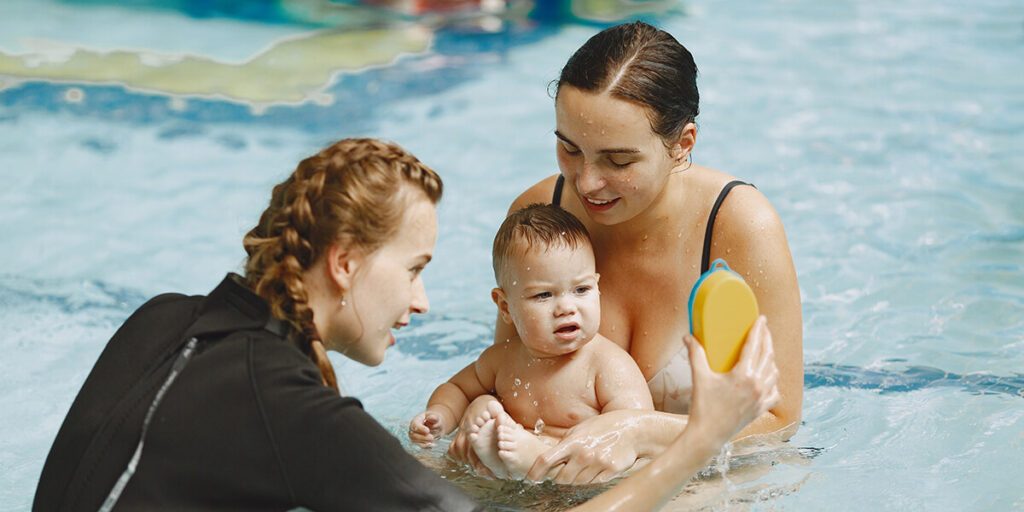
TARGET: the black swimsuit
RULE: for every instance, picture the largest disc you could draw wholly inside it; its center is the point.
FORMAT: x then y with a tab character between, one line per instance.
705	259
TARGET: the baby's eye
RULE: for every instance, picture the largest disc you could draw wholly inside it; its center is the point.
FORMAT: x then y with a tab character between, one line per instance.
580	290
542	295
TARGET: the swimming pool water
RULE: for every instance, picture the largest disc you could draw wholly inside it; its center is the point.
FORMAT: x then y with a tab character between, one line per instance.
887	136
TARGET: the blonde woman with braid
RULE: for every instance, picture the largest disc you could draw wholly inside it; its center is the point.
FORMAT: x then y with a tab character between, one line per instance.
228	401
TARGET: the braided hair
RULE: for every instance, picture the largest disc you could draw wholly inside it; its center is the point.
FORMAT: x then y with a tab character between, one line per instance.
347	193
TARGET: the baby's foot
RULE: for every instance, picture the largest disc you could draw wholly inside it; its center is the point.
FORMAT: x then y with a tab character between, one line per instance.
517	448
483	439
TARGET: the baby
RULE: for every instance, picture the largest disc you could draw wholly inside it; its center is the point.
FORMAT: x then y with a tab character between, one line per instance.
557	371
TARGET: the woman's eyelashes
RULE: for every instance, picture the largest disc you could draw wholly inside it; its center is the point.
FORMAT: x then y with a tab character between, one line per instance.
568	148
620	162
615	161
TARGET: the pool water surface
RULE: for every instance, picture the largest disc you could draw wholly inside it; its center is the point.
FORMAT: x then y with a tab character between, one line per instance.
138	144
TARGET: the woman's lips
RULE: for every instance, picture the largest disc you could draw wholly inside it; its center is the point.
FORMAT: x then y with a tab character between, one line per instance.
599	205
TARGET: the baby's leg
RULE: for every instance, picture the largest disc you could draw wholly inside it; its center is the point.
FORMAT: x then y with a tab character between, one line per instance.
517	447
484	440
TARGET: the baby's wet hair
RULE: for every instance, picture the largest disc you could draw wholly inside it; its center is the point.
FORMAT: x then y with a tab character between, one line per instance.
538	226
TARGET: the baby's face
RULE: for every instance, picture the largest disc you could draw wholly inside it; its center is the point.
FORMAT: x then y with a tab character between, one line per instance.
553	299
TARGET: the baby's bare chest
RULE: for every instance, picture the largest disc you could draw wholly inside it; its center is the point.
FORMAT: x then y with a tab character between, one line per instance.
557	395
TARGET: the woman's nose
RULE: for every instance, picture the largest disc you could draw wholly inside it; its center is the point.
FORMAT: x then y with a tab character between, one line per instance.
589	180
420	303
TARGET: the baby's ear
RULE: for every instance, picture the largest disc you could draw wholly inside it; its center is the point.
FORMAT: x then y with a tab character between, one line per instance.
498	296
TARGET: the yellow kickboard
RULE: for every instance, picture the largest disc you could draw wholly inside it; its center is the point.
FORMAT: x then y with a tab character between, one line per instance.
722	310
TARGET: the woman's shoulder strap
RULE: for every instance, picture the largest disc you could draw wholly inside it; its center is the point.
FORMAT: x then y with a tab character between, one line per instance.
556	196
705	259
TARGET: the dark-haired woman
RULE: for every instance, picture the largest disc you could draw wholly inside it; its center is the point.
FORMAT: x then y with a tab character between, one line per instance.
228	401
625	109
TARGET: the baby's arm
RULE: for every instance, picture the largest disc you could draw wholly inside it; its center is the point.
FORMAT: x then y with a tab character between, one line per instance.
619	383
449	401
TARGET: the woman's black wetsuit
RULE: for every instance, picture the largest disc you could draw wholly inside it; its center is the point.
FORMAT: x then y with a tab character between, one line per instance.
247	425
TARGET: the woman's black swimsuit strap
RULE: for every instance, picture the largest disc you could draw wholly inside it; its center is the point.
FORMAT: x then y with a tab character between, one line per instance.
705	259
556	197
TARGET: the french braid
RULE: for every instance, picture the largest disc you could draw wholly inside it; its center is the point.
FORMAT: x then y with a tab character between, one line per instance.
349	193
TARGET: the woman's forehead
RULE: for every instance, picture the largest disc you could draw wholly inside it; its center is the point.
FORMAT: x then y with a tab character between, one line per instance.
589	118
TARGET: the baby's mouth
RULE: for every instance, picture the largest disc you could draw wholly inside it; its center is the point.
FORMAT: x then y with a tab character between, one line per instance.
567	331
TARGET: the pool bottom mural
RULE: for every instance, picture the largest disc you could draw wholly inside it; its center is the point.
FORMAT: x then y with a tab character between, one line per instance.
289	53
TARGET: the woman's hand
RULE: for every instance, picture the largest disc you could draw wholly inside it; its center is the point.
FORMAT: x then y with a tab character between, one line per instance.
460	449
595	450
724	403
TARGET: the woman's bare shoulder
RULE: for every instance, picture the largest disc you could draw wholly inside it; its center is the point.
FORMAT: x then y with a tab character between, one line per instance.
540	192
748	213
742	205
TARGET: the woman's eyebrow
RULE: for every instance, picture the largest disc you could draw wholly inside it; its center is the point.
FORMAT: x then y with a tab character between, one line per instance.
601	151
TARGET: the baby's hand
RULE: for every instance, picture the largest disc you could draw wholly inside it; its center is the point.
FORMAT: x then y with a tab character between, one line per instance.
426	428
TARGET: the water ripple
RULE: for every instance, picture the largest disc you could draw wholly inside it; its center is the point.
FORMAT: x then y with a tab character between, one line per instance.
912	378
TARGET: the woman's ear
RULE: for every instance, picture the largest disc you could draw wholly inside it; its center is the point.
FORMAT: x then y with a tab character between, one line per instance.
498	296
341	266
684	144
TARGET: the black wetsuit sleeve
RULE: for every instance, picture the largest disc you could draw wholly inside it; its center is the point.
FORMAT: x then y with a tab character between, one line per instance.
333	455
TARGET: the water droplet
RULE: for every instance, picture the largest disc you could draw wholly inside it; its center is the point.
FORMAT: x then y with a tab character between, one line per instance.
527	385
589	384
535	403
527	269
515	394
515	283
645	237
538	427
517	382
729	250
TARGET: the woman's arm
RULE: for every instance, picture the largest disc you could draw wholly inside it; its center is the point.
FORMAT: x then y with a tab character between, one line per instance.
750	235
603	447
722	404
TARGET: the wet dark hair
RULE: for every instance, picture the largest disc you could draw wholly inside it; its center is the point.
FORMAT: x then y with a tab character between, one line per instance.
642	64
538	226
